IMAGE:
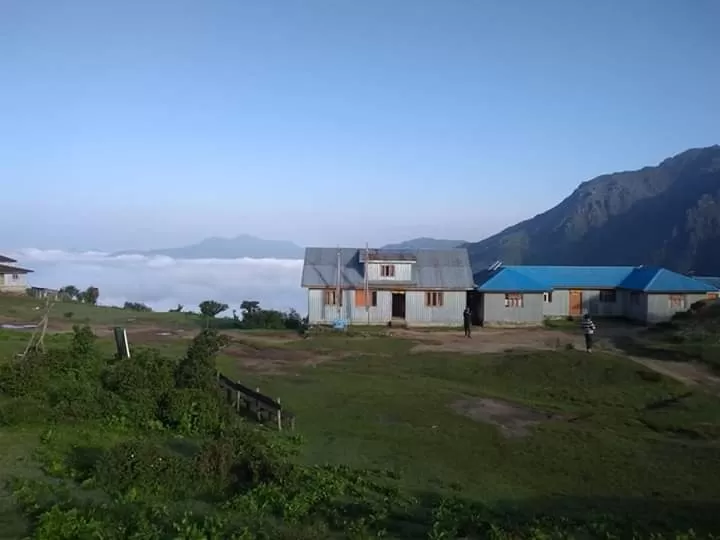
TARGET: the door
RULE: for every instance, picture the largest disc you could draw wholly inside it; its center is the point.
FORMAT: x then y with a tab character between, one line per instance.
575	303
398	305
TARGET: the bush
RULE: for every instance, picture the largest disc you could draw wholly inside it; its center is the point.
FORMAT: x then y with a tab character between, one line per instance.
136	306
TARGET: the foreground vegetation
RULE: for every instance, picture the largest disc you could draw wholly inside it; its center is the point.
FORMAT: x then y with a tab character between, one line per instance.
94	447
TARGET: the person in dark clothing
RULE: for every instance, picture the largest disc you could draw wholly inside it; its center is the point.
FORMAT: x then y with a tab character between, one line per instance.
467	321
588	328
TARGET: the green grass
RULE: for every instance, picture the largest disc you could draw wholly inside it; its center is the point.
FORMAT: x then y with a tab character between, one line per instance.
393	410
627	437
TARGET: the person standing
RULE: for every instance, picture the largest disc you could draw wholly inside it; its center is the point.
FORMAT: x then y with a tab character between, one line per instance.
467	321
588	328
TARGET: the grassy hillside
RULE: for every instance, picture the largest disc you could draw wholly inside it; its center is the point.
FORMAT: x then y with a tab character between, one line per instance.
25	310
394	442
667	215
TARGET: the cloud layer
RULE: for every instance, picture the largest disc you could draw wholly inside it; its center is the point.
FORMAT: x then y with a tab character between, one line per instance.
163	282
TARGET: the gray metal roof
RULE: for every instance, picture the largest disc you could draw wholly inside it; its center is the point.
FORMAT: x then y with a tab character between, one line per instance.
433	269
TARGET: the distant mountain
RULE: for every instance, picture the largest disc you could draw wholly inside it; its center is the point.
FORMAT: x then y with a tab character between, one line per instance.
666	215
425	243
242	246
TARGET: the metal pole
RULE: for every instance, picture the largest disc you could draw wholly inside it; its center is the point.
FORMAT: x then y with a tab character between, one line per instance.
367	284
338	291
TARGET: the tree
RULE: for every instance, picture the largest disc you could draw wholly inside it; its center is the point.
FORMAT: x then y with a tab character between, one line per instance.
69	292
89	295
178	309
211	308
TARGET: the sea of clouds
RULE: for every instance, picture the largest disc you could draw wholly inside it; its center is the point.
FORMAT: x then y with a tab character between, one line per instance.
163	282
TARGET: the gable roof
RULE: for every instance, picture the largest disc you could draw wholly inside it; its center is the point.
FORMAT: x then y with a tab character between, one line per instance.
579	277
433	269
710	280
5	269
656	279
547	278
508	280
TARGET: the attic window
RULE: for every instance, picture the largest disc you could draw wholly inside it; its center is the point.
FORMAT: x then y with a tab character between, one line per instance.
331	298
434	299
514	300
609	296
387	270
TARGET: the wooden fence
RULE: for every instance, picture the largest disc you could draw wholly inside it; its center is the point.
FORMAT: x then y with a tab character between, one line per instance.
264	407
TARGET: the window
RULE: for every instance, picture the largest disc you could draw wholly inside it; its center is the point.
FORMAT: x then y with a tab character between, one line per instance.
434	299
608	296
16	277
331	298
677	301
547	297
360	298
387	270
513	300
635	298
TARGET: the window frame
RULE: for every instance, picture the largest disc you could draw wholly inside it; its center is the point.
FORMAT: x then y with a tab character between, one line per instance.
434	299
548	297
387	270
605	293
330	297
677	301
514	300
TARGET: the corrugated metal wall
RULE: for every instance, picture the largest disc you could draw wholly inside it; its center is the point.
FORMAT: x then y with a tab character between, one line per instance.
449	314
560	305
7	283
403	271
659	308
495	312
416	312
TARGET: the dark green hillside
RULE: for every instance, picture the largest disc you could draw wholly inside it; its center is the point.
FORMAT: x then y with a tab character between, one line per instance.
667	215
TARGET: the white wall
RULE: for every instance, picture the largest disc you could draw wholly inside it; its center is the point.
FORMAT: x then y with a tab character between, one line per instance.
403	271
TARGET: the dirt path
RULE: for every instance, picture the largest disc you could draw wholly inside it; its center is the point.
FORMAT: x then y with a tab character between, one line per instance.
688	373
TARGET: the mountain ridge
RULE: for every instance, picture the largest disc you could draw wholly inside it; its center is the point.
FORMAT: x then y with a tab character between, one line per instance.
425	242
237	247
667	214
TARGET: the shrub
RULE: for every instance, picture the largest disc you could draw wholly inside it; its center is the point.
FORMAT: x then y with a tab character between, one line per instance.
136	306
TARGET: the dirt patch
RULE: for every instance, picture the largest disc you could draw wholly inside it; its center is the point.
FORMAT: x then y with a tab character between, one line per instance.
512	419
270	360
488	340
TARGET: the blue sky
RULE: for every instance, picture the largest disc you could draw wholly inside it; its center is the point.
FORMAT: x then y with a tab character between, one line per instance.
136	123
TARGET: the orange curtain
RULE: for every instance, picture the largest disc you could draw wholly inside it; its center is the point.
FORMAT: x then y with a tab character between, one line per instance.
359	297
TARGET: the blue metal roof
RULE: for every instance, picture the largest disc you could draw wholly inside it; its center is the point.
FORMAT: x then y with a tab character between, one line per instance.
710	280
588	277
655	279
547	278
509	280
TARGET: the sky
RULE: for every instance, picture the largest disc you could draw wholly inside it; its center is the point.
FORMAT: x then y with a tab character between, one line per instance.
139	124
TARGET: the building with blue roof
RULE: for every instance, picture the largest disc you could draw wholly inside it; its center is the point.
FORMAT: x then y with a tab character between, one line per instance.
526	295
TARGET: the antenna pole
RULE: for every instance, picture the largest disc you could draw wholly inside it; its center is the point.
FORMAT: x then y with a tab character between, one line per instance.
367	284
338	290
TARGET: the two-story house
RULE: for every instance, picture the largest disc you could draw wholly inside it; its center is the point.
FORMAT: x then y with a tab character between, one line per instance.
425	287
